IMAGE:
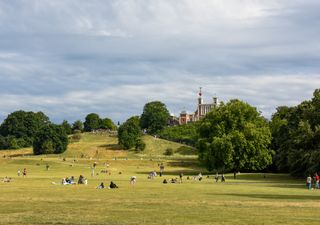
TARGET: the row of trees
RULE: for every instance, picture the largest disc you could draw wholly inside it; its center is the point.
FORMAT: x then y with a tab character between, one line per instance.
24	129
154	118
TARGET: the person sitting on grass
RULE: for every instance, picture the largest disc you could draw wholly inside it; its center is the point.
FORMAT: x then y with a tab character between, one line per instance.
64	182
71	180
101	186
7	179
112	185
133	180
82	180
165	181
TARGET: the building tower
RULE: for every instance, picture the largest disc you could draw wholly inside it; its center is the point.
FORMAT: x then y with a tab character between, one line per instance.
200	102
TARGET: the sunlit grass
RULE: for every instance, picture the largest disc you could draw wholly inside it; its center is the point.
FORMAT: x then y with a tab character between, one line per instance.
251	199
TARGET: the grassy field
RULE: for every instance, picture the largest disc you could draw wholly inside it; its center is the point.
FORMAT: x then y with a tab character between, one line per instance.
251	199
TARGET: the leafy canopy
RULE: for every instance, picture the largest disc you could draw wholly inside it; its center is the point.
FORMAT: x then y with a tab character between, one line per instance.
155	117
234	136
129	133
296	137
50	139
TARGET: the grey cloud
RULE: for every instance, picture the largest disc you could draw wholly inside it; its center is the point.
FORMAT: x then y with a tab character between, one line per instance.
69	58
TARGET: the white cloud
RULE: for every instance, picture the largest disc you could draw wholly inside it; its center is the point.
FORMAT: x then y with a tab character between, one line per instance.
69	58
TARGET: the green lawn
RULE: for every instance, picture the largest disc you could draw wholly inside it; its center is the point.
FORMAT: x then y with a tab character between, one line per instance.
251	199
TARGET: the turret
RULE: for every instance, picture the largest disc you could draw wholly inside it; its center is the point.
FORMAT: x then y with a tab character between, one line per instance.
200	100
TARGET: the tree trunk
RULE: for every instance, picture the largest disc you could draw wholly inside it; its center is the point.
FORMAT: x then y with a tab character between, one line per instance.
234	174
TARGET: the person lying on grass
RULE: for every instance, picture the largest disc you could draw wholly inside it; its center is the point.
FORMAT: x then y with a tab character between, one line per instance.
101	186
112	185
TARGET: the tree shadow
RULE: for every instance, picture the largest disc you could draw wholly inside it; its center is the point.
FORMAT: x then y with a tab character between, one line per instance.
185	172
17	155
186	150
274	196
113	147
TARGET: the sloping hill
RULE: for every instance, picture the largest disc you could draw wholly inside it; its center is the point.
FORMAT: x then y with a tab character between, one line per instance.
100	146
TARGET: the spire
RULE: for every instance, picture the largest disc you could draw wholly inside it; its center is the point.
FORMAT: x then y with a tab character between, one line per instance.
200	101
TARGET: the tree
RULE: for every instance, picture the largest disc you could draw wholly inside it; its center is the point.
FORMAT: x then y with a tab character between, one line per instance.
67	127
77	126
296	137
129	133
186	133
23	126
107	124
92	122
155	117
50	139
234	137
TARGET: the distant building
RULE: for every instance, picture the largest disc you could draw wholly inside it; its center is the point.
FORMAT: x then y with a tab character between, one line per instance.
201	111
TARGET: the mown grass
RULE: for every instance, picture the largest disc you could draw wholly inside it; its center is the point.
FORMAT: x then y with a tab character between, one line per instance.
251	199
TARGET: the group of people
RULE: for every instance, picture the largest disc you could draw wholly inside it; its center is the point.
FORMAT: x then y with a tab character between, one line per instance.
315	180
67	180
24	172
216	178
111	186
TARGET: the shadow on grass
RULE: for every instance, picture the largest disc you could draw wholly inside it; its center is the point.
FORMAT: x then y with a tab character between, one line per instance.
17	155
186	150
275	196
111	147
186	172
184	163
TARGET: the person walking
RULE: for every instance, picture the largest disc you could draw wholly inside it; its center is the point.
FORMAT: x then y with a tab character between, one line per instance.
181	175
309	182
317	181
24	172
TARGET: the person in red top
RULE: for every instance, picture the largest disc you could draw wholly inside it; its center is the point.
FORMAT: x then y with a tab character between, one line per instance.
317	180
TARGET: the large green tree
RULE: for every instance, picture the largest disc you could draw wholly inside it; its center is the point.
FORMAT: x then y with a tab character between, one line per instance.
129	133
50	139
92	122
155	117
296	137
22	126
77	126
234	137
107	124
67	127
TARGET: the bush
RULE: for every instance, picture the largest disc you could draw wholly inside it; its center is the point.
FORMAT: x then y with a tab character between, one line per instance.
76	137
169	151
140	145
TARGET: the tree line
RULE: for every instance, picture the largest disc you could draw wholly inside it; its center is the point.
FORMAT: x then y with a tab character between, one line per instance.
235	136
232	137
25	129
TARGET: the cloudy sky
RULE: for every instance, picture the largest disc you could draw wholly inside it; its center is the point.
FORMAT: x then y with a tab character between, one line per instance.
70	58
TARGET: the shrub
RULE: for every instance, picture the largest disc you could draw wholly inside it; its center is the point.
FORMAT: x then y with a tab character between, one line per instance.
169	151
140	145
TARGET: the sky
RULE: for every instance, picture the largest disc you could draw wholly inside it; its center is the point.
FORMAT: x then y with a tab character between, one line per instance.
111	57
